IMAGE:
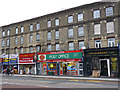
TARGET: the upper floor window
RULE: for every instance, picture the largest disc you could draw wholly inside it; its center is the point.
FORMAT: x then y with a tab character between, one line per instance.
98	44
16	30
81	31
81	44
38	26
56	34
21	49
70	19
96	13
31	27
3	43
22	29
8	42
21	40
16	50
16	41
71	46
49	36
80	17
70	33
3	33
97	29
49	47
31	38
49	23
57	47
56	22
8	32
37	48
110	27
31	49
37	37
109	11
111	42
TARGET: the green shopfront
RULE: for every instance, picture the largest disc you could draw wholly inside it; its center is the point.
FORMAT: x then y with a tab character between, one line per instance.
60	63
104	60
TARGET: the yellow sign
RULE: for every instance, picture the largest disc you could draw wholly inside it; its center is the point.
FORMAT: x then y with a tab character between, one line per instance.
51	65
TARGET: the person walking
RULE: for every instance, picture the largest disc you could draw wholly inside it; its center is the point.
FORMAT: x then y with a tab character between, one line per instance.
8	71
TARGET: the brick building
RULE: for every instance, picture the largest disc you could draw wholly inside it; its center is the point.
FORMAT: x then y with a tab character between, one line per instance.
95	25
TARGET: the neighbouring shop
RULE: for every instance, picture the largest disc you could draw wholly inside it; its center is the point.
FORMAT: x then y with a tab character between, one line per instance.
103	61
26	64
60	63
1	63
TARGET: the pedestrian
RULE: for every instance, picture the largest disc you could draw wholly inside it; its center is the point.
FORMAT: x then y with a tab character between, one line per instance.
8	71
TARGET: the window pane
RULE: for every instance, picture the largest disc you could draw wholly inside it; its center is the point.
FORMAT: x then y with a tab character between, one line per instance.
71	46
80	17
16	30
97	29
96	13
49	35
31	27
38	48
3	43
56	22
49	23
57	47
15	40
111	42
56	34
81	31
8	32
49	47
97	44
81	44
31	38
21	39
70	19
109	11
38	26
3	33
110	27
22	29
70	33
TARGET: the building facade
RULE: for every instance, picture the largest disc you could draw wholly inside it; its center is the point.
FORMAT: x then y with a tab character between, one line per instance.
95	25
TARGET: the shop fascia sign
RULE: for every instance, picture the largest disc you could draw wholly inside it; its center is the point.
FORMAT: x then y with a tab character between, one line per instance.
60	56
10	56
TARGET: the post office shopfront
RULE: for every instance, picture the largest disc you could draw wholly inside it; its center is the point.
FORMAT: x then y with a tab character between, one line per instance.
103	59
60	63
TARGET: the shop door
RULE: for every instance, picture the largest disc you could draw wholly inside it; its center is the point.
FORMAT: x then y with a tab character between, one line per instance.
105	67
80	71
58	68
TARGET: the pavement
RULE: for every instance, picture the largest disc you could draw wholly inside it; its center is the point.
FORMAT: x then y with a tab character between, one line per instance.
70	77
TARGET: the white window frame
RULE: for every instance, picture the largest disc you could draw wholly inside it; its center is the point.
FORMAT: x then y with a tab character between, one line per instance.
49	36
109	11
8	32
98	43
111	42
31	27
21	40
57	47
16	30
3	43
37	37
96	13
71	46
22	29
56	34
81	44
49	23
97	29
80	17
80	31
49	48
70	19
16	41
57	22
38	26
70	33
110	27
31	39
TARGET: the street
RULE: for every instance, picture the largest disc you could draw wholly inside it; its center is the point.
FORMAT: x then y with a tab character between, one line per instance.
30	82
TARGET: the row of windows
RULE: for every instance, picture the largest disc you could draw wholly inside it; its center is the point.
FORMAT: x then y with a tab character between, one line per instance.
97	30
111	43
96	14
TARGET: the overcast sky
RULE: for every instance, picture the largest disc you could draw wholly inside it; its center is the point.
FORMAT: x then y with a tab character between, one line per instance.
18	10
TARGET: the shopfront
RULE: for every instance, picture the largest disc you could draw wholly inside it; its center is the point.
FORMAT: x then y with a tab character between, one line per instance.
26	64
60	63
103	60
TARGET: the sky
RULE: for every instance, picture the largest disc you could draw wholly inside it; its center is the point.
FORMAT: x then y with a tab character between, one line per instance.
13	11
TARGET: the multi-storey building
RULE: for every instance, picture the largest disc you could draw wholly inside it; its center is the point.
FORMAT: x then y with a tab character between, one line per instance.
94	25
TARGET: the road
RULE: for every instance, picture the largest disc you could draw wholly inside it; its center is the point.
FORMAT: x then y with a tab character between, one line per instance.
29	82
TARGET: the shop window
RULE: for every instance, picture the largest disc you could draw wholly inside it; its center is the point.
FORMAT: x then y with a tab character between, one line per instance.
52	66
95	63
111	42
